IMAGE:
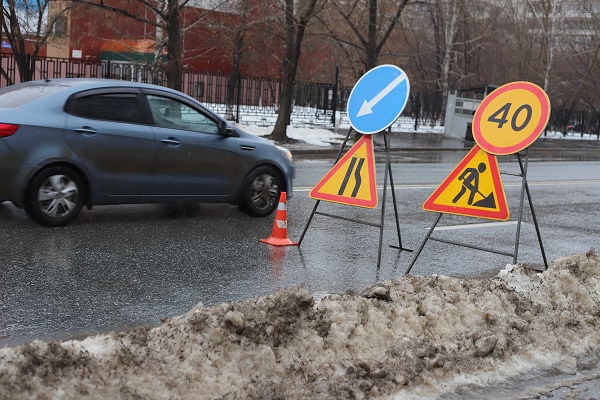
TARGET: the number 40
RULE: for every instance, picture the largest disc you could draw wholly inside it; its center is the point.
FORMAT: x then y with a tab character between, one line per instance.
501	116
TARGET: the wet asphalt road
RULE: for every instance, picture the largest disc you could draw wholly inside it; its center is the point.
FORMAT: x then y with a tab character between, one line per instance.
123	266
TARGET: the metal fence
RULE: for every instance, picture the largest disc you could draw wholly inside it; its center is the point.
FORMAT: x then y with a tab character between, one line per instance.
253	100
571	122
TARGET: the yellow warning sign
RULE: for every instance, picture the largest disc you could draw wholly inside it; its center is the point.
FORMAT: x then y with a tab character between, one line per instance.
473	189
352	180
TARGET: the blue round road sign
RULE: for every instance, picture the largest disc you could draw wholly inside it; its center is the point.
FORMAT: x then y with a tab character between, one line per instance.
377	99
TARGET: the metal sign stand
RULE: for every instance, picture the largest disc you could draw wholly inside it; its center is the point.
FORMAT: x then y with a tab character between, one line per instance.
524	190
388	171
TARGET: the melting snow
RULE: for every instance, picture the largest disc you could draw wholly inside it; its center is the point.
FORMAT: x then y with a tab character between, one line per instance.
413	337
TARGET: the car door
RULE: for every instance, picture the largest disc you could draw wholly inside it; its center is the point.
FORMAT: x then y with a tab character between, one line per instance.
107	130
193	158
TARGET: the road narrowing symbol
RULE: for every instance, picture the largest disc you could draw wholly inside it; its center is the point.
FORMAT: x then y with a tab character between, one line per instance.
473	189
511	118
352	179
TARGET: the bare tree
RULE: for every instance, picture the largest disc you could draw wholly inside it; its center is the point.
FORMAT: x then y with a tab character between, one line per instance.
26	20
371	23
237	54
166	16
251	15
296	16
577	67
547	15
445	19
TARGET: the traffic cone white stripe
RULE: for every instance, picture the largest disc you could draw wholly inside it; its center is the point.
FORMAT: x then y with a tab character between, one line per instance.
279	235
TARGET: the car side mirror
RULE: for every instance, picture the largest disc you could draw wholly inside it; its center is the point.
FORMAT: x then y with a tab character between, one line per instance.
227	130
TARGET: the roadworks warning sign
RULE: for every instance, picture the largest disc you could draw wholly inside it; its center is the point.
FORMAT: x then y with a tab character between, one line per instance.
352	179
473	189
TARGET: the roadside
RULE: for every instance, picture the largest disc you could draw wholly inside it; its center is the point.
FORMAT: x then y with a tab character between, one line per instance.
407	146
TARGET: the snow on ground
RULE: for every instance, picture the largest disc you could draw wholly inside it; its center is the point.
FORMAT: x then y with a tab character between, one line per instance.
415	337
325	137
313	136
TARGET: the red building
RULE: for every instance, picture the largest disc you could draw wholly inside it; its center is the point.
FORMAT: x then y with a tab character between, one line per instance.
91	33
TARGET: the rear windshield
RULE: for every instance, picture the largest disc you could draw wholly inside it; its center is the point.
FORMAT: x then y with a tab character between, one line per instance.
13	97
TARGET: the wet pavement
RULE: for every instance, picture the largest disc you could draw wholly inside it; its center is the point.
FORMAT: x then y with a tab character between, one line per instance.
409	147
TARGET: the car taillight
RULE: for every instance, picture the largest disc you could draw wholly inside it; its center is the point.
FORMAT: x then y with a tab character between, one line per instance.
8	130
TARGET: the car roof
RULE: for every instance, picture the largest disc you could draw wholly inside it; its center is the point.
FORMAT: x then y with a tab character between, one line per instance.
91	83
68	86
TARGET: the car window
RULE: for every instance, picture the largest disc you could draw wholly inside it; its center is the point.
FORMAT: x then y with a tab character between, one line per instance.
16	96
121	107
169	113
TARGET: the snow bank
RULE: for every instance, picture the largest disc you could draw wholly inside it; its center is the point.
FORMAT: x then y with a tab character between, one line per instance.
414	337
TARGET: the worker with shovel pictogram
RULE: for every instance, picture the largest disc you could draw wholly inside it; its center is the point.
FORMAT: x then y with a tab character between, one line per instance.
470	181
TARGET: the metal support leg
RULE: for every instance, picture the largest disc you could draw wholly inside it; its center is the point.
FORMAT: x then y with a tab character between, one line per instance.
423	244
314	210
535	222
385	176
389	170
522	199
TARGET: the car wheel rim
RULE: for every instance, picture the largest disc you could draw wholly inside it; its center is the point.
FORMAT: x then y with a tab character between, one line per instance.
264	192
58	196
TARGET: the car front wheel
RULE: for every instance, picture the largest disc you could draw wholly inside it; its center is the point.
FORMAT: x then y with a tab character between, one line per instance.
260	193
55	196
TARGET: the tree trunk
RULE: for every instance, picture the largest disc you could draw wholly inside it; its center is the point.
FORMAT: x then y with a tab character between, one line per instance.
293	35
372	53
174	42
238	49
285	110
449	35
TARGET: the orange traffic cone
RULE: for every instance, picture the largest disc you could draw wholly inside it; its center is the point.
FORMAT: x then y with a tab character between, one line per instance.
279	235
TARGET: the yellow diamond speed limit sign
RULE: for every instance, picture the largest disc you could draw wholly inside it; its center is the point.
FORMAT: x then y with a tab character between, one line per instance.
511	118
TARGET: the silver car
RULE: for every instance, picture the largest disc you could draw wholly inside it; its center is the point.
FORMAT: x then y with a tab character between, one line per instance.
67	143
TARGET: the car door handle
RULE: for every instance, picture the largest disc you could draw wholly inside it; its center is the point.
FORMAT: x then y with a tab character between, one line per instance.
171	141
86	130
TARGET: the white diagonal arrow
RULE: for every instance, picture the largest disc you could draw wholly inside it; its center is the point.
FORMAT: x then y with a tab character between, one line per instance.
367	107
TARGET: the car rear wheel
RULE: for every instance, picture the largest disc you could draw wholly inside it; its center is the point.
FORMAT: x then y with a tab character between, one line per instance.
260	193
55	196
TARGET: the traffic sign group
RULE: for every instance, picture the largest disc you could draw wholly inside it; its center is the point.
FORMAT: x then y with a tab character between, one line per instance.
506	122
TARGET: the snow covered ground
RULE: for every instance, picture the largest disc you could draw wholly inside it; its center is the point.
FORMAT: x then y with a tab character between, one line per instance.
409	338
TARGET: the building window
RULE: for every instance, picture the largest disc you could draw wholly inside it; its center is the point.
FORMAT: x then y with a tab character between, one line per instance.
60	26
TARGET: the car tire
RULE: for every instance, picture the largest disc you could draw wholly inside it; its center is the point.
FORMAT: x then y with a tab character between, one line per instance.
260	192
55	196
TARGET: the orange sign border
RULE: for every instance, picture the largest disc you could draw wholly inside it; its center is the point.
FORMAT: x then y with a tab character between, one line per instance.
501	215
368	140
526	142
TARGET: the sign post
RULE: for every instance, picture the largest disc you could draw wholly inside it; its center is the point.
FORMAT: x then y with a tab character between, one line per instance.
375	103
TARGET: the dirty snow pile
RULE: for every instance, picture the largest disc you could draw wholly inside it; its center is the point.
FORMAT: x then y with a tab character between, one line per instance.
414	337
